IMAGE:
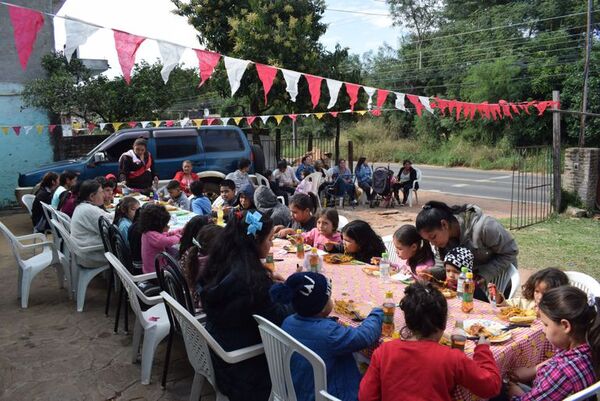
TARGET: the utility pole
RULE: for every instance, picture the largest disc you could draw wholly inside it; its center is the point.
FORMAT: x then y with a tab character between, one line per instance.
586	73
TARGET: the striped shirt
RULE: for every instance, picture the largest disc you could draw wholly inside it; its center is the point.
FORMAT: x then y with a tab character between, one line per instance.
568	372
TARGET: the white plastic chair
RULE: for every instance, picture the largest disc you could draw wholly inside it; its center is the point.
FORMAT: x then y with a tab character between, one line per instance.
279	348
510	276
80	276
253	179
64	219
29	268
388	241
262	180
343	220
281	200
50	214
27	200
413	192
153	323
584	282
198	341
586	393
315	180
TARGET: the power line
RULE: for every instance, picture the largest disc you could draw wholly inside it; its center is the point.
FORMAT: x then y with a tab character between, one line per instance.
358	12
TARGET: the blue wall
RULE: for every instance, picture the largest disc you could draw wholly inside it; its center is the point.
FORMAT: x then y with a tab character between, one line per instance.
19	153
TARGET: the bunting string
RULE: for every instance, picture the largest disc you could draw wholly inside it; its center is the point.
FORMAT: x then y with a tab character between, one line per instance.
27	22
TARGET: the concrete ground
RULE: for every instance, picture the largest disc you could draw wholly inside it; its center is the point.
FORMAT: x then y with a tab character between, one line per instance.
50	352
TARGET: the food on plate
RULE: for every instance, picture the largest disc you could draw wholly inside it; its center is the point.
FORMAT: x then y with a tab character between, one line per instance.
448	293
171	208
476	330
445	340
337	258
292	248
517	315
371	270
347	308
375	260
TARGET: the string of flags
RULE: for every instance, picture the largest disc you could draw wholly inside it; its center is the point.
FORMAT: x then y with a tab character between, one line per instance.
27	22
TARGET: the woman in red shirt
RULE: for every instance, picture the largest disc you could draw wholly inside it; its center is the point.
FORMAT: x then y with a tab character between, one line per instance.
416	367
186	177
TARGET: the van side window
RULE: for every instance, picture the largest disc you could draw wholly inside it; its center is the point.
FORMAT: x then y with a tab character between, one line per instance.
221	140
117	149
176	147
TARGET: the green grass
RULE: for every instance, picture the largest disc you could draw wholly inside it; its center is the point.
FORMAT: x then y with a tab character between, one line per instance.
567	243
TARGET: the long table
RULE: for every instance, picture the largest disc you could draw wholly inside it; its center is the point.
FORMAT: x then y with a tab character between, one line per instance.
527	346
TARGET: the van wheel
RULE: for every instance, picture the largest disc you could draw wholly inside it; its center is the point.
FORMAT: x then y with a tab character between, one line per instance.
259	159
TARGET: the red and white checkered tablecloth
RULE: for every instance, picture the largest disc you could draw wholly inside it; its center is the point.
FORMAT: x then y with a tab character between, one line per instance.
527	347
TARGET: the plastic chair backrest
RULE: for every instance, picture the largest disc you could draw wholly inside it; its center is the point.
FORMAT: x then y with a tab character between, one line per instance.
66	237
64	219
586	393
121	249
15	245
130	286
419	173
171	280
229	357
104	227
511	275
50	215
194	336
388	241
27	200
315	180
343	220
279	348
262	180
586	283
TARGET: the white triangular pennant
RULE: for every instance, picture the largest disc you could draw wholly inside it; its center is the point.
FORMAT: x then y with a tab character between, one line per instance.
145	123
235	71
184	122
27	128
77	34
291	79
334	89
102	125
225	120
66	130
264	119
425	102
400	101
171	54
370	91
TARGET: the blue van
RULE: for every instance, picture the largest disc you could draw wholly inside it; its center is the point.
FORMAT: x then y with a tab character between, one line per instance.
214	152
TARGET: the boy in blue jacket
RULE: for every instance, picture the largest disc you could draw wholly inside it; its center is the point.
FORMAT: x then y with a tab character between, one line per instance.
310	295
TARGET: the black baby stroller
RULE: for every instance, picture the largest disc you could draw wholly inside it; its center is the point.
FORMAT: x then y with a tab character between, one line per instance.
382	186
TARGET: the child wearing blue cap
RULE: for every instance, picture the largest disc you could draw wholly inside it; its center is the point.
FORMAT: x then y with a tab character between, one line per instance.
310	296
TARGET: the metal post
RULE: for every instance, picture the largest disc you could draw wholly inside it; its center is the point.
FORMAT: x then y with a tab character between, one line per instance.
337	140
556	185
277	144
351	156
310	142
586	74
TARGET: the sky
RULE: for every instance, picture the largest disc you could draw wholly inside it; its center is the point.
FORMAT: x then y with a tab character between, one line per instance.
154	19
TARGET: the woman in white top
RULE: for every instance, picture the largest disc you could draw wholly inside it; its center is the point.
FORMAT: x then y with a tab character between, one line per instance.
84	223
406	176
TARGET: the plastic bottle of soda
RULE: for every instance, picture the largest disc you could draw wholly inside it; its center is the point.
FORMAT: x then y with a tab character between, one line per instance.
461	281
468	290
389	307
269	262
299	244
313	260
458	338
384	268
220	216
155	196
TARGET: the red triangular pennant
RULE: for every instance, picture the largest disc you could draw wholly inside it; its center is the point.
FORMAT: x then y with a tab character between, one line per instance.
17	130
169	123
207	61
127	45
505	108
376	112
266	74
91	127
26	25
314	87
51	128
210	121
352	90
132	124
514	108
382	95
250	120
333	113
293	116
441	104
416	102
459	107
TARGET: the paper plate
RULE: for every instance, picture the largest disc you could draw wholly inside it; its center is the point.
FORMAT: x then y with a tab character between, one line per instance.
292	248
495	328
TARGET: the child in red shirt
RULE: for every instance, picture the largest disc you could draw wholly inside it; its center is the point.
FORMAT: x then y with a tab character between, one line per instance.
417	367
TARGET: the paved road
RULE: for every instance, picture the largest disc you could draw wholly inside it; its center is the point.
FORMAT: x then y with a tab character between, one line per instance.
463	182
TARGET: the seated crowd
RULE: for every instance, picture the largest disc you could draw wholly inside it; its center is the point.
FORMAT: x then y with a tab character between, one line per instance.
230	287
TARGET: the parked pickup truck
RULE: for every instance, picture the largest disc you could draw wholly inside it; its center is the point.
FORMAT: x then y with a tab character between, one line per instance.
214	152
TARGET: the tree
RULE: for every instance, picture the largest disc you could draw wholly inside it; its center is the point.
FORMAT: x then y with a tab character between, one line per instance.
70	89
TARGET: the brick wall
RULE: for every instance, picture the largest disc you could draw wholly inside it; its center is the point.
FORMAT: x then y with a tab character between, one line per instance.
582	169
75	146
